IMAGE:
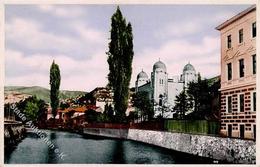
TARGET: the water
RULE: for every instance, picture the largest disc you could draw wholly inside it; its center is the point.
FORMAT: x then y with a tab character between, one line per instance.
80	149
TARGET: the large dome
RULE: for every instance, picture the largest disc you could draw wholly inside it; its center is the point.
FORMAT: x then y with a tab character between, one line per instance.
159	64
188	67
142	74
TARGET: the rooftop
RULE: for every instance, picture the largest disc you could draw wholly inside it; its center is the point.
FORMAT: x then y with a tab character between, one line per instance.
236	17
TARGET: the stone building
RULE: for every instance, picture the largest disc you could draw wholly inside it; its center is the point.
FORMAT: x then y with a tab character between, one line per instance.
238	75
162	88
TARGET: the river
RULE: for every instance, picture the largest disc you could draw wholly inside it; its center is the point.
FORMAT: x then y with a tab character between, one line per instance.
78	149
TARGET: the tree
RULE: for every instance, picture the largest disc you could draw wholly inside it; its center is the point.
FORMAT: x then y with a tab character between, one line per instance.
182	104
64	105
42	112
120	56
31	111
143	103
109	112
91	115
33	108
200	96
55	86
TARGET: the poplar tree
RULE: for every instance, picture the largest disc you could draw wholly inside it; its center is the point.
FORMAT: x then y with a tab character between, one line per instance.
55	86
120	56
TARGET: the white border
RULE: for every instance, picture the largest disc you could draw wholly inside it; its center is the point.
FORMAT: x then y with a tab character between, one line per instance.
3	2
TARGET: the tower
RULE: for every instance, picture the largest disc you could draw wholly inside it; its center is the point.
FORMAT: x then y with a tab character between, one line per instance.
188	75
159	81
142	78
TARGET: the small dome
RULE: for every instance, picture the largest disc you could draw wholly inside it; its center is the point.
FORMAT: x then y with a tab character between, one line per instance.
159	64
188	67
142	74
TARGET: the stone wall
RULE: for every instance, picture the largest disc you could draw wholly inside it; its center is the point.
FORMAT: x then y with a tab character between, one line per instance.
224	149
13	133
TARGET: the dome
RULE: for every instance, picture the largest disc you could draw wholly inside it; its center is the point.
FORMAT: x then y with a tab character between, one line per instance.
142	74
159	64
188	67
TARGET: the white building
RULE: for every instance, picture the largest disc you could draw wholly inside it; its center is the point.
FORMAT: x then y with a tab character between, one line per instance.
163	89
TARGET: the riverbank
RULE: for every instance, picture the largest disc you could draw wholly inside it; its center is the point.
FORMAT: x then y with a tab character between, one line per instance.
85	149
13	134
223	149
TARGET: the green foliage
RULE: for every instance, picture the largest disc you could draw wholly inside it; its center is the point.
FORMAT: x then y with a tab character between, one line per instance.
132	116
31	111
55	86
200	96
103	118
64	105
192	126
33	108
120	56
143	103
182	104
109	112
91	116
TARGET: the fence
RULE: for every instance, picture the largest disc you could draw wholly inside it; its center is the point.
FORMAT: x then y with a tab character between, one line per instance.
152	125
107	125
192	126
184	126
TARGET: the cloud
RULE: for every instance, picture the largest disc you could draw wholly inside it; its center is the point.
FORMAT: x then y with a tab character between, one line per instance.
180	29
193	25
31	34
75	74
204	56
60	11
88	34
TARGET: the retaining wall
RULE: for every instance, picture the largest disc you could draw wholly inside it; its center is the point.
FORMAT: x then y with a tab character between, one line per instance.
224	149
13	133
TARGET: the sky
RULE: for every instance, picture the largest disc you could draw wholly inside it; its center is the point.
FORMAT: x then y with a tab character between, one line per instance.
77	37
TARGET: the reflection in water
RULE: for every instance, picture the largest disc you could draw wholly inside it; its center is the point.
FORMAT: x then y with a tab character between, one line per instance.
88	149
52	156
118	149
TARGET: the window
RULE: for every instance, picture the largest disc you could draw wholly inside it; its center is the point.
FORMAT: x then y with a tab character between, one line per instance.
240	35
254	29
229	71
241	68
229	104
254	63
229	130
242	131
161	81
229	41
241	102
253	101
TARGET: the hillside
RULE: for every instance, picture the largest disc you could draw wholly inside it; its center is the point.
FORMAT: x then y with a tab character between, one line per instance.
42	93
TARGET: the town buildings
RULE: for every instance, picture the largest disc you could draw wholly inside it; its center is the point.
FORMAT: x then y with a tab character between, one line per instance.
12	98
238	75
162	88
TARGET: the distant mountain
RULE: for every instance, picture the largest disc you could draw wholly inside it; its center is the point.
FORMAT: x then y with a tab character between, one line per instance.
42	93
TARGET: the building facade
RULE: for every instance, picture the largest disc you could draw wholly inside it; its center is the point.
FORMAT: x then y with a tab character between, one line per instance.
163	89
238	75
